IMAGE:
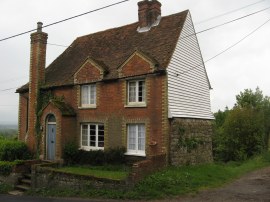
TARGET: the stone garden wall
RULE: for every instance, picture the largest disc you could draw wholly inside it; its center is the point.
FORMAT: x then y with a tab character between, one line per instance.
190	141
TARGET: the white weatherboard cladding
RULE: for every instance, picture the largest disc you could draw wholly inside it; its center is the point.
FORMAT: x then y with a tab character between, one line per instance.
188	85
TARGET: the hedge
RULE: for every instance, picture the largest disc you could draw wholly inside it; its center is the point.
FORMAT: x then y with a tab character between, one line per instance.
72	155
11	150
6	167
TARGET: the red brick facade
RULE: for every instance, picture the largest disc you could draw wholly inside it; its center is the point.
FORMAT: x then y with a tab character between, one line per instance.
111	110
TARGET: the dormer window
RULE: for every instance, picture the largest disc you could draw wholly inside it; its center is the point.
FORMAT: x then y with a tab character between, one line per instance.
136	92
88	96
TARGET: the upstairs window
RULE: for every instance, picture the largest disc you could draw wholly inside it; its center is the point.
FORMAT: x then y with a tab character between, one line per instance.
88	95
136	92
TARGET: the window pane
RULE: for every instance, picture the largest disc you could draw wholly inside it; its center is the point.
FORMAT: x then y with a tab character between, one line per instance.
100	135
141	137
141	92
84	95
84	135
92	135
93	94
132	137
132	91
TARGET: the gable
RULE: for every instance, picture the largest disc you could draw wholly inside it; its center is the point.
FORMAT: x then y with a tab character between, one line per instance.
137	64
89	72
188	84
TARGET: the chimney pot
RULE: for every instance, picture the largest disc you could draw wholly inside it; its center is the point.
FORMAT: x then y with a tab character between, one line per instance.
39	26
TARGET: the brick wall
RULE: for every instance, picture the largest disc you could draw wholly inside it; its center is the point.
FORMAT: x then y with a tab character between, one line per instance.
190	141
143	168
111	110
88	73
136	65
23	116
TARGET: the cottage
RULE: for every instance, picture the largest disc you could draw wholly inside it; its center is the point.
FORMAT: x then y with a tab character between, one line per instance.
142	86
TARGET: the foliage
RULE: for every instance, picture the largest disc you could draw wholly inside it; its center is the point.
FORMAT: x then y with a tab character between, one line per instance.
8	133
172	181
11	150
242	136
72	155
250	99
244	130
6	167
5	188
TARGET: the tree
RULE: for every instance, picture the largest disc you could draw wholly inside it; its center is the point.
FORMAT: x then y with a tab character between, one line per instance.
244	130
251	99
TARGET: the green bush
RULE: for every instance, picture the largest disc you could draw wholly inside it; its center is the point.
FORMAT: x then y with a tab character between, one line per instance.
6	167
72	155
5	188
240	137
11	150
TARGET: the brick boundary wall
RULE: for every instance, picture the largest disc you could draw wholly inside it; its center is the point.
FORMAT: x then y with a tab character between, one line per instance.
143	168
190	141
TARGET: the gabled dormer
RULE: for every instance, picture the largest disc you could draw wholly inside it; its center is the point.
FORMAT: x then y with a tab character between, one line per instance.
90	71
138	63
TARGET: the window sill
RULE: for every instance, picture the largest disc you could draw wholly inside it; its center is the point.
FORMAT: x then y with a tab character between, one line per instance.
88	107
91	148
135	105
134	154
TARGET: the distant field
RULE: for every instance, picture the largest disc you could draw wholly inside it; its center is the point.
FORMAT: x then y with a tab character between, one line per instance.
8	126
8	131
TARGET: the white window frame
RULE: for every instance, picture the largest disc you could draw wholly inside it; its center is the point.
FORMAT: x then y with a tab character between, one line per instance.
88	147
136	102
136	151
91	102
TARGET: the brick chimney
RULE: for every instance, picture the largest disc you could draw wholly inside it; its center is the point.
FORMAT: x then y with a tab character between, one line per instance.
149	13
36	79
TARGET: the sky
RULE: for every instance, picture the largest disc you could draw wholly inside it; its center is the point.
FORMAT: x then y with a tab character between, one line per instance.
245	66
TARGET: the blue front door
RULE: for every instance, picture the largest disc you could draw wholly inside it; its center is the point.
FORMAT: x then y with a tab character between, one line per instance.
51	141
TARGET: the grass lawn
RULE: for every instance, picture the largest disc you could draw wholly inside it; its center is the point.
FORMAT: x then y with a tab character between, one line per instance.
110	172
172	181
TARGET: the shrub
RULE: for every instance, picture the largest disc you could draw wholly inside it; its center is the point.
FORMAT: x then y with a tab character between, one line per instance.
70	153
6	167
115	156
11	150
97	157
240	137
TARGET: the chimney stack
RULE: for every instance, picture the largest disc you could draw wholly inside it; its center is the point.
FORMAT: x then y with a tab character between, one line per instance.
36	79
149	13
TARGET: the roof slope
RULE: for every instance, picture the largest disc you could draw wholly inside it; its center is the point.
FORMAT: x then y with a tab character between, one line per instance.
112	47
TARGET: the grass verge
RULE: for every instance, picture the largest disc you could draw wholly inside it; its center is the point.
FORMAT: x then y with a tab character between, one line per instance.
172	181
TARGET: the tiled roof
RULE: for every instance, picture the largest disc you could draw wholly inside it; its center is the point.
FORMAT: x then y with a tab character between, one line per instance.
112	47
